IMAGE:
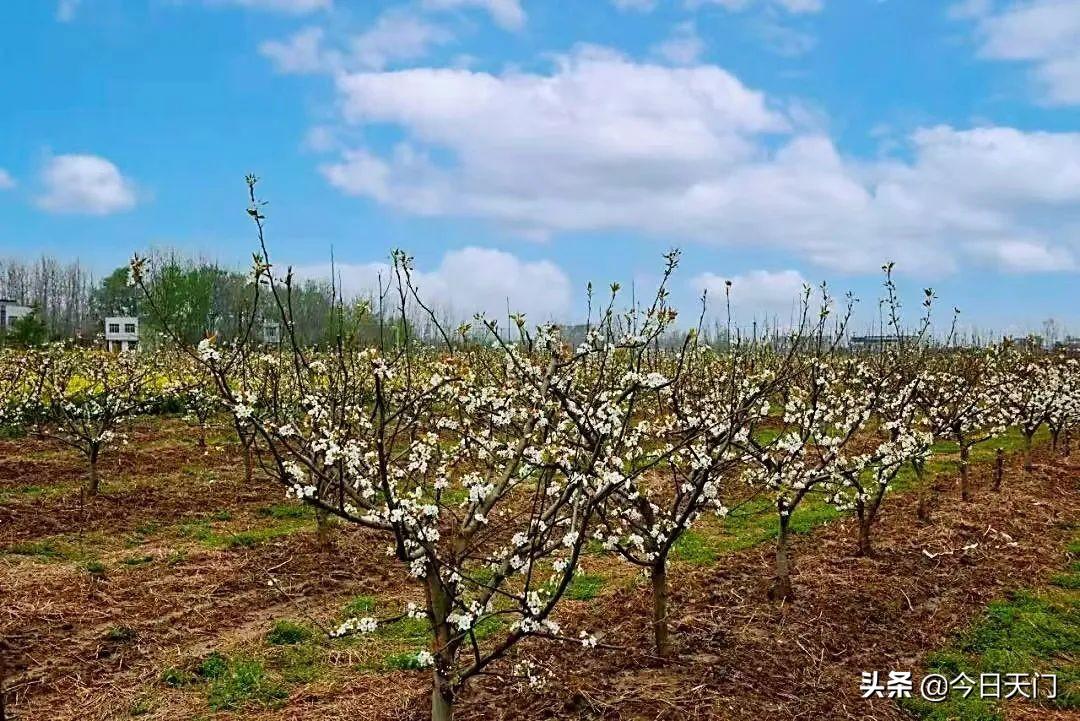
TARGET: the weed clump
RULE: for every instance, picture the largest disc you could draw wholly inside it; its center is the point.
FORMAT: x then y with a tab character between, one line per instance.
288	633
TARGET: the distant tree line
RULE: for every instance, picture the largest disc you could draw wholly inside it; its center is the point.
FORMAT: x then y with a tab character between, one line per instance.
199	299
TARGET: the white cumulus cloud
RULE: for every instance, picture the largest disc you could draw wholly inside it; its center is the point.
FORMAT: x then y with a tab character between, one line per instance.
761	294
303	52
506	13
67	9
86	184
1028	256
642	6
682	47
289	7
1044	33
6	181
795	7
604	143
467	281
396	35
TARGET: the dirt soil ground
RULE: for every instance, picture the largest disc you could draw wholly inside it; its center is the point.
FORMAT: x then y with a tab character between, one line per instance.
179	553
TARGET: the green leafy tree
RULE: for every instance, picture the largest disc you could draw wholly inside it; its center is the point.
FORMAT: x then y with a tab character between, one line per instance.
28	331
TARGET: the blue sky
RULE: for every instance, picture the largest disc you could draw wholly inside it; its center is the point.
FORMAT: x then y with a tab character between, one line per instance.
522	148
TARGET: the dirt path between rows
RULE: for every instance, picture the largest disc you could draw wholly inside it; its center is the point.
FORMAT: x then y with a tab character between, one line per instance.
749	659
742	657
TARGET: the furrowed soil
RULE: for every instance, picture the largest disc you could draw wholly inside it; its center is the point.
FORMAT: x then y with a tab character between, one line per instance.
110	608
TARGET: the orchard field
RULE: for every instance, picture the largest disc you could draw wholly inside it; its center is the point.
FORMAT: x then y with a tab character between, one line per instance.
661	422
112	608
501	524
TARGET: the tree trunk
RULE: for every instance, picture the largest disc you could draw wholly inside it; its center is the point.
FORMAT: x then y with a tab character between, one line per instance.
322	527
93	482
965	488
248	466
866	520
1055	434
661	635
442	700
922	511
442	690
1028	465
781	589
999	468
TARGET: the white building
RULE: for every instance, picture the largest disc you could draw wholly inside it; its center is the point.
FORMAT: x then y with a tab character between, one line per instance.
10	311
121	333
271	332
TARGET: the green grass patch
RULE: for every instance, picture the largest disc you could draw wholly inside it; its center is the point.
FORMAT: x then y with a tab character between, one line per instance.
141	707
203	531
41	549
142	533
281	511
120	634
1024	633
243	683
254	536
1012	441
584	587
1070	579
231	683
407	630
765	436
407	661
51	549
137	560
750	524
359	606
486	628
177	677
695	547
197	530
288	633
454	496
148	529
809	515
299	664
213	666
95	568
594	547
